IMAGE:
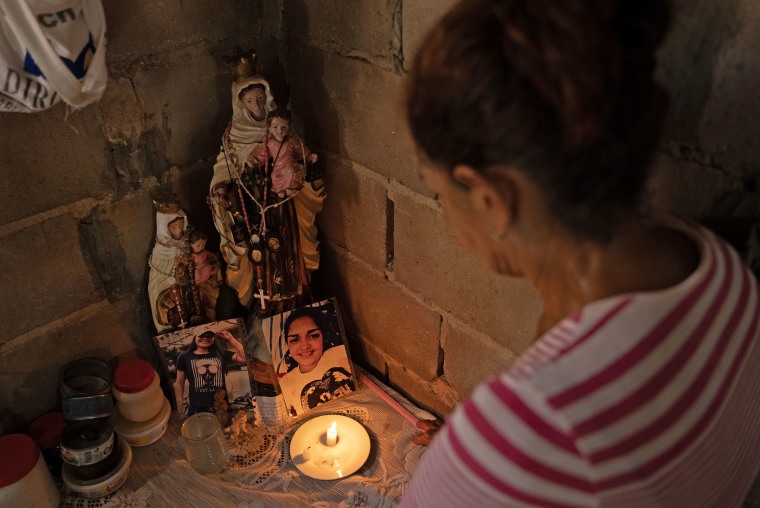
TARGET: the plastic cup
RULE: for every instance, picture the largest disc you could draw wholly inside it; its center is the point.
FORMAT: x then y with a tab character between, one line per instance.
205	446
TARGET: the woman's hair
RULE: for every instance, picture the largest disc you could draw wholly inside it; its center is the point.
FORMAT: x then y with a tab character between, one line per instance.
313	312
562	91
283	113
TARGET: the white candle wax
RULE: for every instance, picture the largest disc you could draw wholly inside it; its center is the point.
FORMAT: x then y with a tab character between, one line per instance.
332	435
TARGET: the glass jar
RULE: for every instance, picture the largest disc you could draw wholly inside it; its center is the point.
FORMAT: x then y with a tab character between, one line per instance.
205	446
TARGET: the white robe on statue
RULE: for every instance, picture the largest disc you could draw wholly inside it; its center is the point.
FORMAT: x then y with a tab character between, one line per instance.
166	253
246	135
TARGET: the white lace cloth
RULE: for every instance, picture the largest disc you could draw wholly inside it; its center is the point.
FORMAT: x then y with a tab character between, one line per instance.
260	473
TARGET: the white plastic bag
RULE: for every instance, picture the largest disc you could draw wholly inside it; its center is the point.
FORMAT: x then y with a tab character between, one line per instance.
51	50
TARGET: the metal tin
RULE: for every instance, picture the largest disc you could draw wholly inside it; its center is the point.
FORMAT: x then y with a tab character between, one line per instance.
86	443
86	390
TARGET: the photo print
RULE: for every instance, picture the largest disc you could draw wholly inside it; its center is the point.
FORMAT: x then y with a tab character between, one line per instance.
206	365
310	356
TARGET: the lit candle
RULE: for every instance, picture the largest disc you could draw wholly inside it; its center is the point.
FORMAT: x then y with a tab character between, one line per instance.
332	435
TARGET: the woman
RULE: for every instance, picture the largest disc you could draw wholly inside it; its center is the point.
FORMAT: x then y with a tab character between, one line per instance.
203	365
536	123
319	371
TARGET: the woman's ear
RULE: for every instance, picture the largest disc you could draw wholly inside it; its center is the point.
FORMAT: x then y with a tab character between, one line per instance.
490	196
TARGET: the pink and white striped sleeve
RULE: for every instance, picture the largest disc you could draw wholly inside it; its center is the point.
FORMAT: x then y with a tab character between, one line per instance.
503	447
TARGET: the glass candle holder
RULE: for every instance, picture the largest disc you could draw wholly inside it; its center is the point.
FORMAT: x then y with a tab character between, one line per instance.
205	446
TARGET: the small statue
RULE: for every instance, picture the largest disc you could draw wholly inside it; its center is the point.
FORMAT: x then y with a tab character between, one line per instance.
207	272
283	154
239	426
174	298
220	406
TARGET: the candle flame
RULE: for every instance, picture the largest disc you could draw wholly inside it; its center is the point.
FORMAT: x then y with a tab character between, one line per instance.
332	435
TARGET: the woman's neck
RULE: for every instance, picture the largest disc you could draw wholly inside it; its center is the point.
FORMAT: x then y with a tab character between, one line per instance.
569	274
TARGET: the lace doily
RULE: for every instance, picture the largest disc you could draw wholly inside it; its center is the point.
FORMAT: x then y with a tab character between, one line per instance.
260	473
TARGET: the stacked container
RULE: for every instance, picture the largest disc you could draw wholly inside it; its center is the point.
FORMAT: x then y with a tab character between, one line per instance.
142	412
25	481
96	462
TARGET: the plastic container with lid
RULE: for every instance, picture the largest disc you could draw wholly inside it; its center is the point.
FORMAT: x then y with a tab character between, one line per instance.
142	433
137	390
46	430
91	482
25	481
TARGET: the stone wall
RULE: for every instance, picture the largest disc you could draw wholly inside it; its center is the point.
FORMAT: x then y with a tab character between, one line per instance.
76	219
76	222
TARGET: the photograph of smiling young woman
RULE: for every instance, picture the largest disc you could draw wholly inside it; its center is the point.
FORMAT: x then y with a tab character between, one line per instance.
319	369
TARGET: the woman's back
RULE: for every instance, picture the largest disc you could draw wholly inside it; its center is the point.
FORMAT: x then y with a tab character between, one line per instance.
646	399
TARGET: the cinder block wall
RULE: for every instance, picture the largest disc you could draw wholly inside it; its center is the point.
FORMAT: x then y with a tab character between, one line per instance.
76	218
422	312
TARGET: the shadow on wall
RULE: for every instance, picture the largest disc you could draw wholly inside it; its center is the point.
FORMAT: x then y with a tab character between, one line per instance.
700	29
709	64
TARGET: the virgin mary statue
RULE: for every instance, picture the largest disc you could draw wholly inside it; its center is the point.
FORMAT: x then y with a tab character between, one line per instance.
268	241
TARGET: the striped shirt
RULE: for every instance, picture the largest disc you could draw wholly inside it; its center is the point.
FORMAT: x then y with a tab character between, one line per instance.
642	399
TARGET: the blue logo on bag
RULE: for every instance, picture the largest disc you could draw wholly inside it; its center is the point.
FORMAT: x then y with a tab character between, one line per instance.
77	67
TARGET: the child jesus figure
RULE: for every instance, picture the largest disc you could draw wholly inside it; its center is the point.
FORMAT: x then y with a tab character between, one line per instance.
285	153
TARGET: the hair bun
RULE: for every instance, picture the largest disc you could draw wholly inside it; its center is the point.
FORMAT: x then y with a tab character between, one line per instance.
579	55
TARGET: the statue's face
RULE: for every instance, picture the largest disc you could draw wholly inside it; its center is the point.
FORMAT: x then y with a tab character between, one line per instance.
253	100
198	245
175	228
279	128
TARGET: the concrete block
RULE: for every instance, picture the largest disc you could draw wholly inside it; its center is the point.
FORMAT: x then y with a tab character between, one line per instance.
373	359
355	213
271	20
471	357
31	365
147	29
709	66
43	276
429	262
354	109
209	22
690	189
121	111
436	396
361	29
141	28
187	104
383	315
117	240
419	16
50	159
124	126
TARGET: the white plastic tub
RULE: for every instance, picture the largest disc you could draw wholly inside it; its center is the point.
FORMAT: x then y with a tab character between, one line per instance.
142	433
